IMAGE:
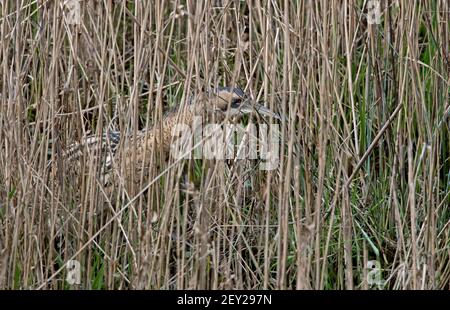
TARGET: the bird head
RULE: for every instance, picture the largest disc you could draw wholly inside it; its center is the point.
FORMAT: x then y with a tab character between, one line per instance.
231	101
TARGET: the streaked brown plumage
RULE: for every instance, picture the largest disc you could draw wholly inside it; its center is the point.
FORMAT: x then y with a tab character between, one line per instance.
214	105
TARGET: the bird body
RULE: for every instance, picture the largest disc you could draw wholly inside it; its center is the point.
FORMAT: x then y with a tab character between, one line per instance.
136	151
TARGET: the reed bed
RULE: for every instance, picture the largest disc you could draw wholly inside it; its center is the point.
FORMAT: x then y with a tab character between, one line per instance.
359	199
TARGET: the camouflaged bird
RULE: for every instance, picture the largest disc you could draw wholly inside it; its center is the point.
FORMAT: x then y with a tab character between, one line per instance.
218	104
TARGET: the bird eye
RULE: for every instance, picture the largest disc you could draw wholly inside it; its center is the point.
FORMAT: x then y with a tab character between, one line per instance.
235	103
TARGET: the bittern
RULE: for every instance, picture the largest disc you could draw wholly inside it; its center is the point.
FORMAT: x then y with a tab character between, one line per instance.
221	103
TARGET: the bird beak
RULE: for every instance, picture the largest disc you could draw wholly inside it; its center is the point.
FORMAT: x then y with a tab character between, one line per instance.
254	107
